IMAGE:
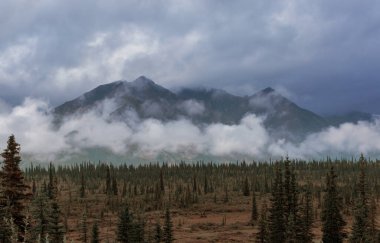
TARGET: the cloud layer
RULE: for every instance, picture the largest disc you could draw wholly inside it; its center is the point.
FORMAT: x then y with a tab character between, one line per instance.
58	50
32	122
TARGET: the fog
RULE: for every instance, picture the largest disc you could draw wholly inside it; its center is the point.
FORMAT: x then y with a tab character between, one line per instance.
32	124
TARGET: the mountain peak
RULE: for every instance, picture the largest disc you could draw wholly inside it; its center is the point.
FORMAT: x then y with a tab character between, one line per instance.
143	79
267	90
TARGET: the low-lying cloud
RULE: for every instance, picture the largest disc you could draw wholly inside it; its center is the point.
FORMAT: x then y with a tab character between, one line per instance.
32	124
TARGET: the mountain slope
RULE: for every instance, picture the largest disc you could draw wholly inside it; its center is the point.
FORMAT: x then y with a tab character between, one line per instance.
283	118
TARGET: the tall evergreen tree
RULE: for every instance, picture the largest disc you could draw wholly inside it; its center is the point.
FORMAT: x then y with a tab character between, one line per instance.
307	218
95	233
40	210
124	227
361	226
246	187
332	220
14	191
114	187
168	228
263	232
108	181
82	190
162	186
84	227
52	189
254	208
157	232
55	227
276	221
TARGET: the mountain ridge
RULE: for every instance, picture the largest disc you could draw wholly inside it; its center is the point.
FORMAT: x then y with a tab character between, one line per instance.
283	118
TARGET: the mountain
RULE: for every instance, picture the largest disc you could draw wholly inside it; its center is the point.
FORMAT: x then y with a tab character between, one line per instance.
283	118
351	117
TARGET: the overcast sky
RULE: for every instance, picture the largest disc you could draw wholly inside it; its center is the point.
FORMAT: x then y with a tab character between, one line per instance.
322	54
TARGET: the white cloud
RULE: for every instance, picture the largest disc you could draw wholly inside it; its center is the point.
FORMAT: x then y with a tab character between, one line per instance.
31	123
192	107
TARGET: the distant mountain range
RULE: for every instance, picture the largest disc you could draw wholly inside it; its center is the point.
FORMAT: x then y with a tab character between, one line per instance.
282	117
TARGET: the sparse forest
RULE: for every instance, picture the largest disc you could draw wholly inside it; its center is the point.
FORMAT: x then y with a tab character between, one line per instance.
267	201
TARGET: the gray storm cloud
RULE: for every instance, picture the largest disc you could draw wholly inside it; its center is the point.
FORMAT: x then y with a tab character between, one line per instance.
57	50
32	121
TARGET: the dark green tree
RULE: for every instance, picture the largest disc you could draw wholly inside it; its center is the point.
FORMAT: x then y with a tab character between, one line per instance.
157	233
332	220
108	181
84	227
263	231
95	233
40	210
14	193
361	226
254	213
55	227
82	190
246	187
276	222
307	218
168	228
114	187
125	227
162	186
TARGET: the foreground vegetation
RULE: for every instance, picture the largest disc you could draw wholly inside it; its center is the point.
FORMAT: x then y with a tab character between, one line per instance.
282	201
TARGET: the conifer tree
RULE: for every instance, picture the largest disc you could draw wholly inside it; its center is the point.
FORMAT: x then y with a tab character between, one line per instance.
55	227
372	220
307	218
40	209
168	228
13	194
263	232
332	220
162	186
114	186
52	189
83	227
124	227
246	188
157	233
82	190
95	233
361	225
108	181
254	209
276	222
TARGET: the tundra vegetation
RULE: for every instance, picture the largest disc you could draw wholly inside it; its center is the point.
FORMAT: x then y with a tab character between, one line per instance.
267	201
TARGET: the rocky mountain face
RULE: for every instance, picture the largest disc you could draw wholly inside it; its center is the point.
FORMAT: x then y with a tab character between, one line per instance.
282	117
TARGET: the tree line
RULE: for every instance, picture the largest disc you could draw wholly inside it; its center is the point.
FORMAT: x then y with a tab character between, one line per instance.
287	198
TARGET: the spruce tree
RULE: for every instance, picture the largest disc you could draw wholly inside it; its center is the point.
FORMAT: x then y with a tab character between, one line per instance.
332	220
361	226
307	218
108	181
55	226
83	227
114	187
246	188
168	228
95	233
157	232
263	232
124	227
82	189
40	210
254	209
14	191
276	221
162	186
